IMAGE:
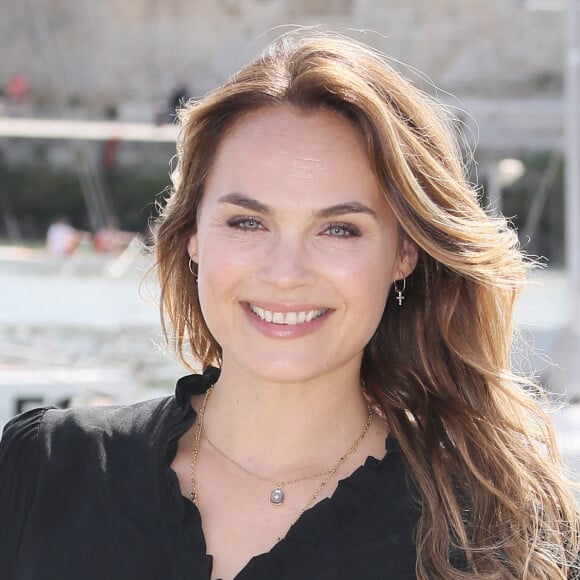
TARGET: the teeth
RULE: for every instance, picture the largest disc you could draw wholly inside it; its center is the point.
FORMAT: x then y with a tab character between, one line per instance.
290	318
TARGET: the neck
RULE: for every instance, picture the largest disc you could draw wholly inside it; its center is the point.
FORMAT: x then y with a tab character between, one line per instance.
283	428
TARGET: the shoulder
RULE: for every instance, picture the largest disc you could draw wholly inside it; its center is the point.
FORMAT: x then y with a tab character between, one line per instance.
20	437
59	465
89	422
58	448
51	432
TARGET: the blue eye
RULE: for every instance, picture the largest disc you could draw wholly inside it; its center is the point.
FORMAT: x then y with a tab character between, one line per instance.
341	230
245	223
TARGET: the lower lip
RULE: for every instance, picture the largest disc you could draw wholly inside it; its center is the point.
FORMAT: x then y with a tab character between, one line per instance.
286	330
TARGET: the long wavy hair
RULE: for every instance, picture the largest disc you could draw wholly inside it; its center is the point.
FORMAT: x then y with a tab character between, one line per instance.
478	446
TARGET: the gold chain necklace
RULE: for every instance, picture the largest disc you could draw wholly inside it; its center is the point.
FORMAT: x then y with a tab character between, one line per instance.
276	495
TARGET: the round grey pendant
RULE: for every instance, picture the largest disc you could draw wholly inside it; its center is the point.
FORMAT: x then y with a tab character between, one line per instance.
277	496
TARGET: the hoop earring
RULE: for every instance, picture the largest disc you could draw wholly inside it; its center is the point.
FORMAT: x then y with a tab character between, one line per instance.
190	266
399	298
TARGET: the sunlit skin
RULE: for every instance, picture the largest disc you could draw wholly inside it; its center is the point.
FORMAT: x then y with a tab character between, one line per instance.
296	251
293	220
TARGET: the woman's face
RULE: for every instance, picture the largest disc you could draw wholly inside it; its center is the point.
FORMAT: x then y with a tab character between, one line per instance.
296	247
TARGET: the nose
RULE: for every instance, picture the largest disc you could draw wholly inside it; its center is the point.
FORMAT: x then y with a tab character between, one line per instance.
287	263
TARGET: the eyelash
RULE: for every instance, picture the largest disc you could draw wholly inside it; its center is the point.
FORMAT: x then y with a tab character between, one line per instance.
347	230
241	223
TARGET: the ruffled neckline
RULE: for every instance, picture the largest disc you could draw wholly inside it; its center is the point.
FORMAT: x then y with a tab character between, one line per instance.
354	496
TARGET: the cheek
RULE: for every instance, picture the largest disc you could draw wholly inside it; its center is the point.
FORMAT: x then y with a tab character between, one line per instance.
226	248
212	278
367	273
212	304
221	271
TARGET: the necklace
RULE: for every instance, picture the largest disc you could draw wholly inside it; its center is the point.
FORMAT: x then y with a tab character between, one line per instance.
277	494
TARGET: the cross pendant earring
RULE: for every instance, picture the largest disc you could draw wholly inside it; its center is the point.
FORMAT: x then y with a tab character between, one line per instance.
399	298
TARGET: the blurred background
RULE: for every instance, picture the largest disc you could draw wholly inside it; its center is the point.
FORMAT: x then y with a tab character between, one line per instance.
88	92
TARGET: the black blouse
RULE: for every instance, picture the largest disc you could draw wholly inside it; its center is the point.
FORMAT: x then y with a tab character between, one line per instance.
90	494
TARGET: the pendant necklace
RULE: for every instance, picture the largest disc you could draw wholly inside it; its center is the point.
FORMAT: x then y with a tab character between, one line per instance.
277	495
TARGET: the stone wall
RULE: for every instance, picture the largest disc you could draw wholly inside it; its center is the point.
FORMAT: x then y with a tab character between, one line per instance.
131	54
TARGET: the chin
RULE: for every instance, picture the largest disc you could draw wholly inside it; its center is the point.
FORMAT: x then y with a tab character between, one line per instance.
291	370
285	372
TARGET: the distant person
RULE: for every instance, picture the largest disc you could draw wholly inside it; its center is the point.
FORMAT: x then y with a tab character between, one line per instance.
17	88
177	100
16	91
111	239
324	260
166	110
62	239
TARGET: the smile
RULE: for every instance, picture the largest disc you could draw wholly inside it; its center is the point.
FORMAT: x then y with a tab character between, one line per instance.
289	318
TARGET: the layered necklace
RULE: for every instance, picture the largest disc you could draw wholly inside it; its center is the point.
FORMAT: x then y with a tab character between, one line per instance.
277	495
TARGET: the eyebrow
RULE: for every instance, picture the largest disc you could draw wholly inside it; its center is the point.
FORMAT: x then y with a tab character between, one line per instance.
326	212
245	202
345	208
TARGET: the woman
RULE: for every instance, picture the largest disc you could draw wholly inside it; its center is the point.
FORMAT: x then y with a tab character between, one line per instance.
323	257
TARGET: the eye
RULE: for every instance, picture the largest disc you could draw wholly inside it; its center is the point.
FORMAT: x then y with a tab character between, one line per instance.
341	230
245	223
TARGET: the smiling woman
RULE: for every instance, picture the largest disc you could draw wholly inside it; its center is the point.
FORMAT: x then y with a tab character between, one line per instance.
310	243
324	261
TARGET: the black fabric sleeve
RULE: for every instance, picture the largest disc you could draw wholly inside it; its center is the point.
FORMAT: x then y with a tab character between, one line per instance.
19	463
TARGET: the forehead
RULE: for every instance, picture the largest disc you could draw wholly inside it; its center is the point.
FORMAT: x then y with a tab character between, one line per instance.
281	146
312	129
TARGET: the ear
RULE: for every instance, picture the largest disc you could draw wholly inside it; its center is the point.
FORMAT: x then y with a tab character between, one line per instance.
408	256
192	248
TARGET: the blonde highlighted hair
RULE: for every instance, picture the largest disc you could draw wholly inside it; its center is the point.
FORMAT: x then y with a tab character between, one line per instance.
494	498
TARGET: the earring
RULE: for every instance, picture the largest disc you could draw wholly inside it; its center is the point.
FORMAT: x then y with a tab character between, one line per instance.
190	266
399	292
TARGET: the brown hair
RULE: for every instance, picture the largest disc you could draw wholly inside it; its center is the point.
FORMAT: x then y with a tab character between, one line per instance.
479	448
